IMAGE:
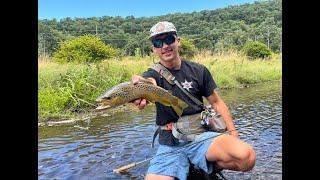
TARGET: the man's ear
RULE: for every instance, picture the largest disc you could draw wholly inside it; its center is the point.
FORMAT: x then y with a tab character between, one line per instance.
179	41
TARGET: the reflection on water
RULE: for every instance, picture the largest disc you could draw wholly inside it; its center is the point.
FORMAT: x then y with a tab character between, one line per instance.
68	152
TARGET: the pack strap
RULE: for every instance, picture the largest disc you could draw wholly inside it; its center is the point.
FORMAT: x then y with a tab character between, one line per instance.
179	135
167	127
175	132
164	72
155	135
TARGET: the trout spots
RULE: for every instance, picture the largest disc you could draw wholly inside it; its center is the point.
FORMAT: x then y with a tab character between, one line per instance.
175	101
149	88
127	92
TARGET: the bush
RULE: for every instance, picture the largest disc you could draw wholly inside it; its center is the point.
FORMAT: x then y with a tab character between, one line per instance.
187	49
87	48
256	50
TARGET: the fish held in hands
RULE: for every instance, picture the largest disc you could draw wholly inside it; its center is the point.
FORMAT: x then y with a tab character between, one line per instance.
127	92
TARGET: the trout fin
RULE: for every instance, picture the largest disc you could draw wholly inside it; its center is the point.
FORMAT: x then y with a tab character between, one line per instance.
181	105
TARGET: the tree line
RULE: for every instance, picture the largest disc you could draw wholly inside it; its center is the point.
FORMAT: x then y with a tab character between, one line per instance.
213	30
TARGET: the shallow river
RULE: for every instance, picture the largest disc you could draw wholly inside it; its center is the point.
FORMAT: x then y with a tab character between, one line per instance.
92	149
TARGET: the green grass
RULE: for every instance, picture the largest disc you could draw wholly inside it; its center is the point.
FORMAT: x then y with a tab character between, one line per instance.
232	70
66	90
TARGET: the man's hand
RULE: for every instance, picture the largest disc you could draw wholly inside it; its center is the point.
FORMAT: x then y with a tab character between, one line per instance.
234	134
140	103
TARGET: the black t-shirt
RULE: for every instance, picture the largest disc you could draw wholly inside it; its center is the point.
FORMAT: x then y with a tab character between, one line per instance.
193	77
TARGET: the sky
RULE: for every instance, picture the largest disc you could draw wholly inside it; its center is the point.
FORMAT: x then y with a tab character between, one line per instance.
58	9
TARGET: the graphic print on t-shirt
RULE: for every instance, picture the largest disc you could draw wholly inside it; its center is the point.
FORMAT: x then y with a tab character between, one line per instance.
187	85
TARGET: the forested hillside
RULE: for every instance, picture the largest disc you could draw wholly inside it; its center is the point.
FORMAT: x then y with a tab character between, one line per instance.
214	30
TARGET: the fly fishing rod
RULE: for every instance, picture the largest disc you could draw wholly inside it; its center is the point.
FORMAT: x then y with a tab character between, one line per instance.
126	167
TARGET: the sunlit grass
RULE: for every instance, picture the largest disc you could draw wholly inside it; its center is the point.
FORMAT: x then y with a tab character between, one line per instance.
232	70
67	89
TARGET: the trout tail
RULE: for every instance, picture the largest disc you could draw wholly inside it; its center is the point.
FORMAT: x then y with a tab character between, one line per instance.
179	107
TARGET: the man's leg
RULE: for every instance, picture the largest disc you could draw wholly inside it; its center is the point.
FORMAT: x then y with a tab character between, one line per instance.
158	177
169	165
229	152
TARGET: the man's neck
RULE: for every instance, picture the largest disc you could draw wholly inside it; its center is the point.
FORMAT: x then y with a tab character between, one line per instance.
175	64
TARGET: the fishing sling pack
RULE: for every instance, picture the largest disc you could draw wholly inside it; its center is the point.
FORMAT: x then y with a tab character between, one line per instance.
188	127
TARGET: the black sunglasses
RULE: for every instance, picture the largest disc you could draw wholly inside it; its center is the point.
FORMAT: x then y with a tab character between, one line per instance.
168	39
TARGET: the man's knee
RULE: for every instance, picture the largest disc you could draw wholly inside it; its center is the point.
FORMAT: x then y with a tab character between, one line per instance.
158	177
247	159
232	153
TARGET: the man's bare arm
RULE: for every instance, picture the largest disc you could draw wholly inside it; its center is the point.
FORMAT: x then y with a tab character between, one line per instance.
219	105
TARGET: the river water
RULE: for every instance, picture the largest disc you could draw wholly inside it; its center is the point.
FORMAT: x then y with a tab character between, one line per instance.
92	149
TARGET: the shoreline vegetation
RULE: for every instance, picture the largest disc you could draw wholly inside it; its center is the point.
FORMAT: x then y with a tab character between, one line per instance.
67	91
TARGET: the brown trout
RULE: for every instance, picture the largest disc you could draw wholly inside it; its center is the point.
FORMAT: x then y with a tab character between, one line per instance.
127	92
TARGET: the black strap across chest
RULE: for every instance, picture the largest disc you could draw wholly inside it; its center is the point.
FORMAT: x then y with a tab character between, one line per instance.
164	72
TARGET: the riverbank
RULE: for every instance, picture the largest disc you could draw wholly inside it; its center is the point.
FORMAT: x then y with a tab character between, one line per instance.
66	90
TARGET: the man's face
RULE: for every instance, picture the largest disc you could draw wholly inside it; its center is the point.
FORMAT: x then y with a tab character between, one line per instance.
166	46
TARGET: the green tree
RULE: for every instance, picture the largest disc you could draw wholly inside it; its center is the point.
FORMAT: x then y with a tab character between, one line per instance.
140	41
87	48
256	49
187	48
202	43
220	29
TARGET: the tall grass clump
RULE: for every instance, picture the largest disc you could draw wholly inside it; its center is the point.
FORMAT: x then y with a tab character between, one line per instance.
72	88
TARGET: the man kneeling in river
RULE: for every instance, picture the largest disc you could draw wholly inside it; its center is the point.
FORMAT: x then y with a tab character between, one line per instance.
226	151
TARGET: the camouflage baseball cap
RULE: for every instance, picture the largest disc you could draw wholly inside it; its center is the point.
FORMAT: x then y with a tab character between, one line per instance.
162	27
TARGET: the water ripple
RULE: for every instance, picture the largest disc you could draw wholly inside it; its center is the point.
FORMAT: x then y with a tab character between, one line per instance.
66	152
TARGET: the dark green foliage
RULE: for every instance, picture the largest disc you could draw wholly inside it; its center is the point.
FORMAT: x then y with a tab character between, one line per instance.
256	50
187	49
87	48
49	38
138	41
219	29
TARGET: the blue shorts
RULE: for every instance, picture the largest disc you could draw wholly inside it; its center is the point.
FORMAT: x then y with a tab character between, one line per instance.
176	164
